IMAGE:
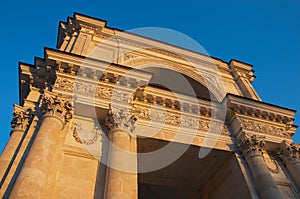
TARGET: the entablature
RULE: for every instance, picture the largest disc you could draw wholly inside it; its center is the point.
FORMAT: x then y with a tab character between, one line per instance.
248	116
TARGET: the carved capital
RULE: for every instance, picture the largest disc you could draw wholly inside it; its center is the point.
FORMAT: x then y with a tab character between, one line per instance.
56	106
251	146
289	153
21	118
120	119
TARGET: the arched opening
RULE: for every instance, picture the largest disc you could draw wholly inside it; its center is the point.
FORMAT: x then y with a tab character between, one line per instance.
173	81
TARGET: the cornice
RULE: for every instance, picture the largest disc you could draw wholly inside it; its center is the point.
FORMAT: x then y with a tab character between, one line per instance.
77	62
249	107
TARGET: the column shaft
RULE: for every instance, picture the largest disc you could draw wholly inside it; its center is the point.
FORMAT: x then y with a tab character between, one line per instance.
122	178
33	177
9	152
262	177
294	170
252	148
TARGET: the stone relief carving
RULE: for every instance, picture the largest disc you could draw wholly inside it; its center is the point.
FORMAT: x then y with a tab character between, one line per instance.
290	153
182	120
80	131
104	92
20	119
121	96
157	115
264	128
250	146
64	84
85	88
128	56
91	90
54	105
271	163
120	119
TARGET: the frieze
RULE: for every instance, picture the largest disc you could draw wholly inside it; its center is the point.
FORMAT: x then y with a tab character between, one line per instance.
85	88
182	120
104	92
264	128
64	84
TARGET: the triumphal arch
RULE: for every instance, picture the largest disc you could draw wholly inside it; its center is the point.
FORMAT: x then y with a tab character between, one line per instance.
112	114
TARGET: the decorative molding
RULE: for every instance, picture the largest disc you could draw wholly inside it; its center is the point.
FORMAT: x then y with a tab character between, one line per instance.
53	105
79	130
122	95
289	153
259	127
120	119
251	146
182	120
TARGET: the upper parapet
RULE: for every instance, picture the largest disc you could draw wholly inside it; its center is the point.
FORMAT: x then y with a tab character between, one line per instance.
90	37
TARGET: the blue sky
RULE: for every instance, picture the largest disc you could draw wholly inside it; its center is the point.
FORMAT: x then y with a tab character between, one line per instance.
265	34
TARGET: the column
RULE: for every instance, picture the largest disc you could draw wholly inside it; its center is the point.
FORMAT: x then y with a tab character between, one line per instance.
33	176
252	151
19	124
122	177
290	154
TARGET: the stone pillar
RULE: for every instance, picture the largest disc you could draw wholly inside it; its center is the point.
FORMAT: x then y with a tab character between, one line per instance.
122	173
33	177
252	151
19	124
290	154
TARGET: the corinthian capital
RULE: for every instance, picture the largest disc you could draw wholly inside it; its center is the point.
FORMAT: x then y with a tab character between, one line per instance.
251	146
56	106
21	117
120	119
290	153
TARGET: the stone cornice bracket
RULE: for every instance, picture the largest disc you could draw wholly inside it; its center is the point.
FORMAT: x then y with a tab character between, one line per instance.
21	118
53	105
289	153
251	146
120	118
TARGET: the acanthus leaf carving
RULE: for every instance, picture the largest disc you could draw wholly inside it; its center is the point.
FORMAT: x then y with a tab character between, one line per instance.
251	146
56	106
290	153
21	119
120	119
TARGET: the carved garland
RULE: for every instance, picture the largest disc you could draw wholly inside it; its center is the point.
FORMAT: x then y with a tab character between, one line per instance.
95	132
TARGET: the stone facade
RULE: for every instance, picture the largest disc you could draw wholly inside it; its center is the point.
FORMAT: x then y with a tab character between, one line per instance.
111	114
